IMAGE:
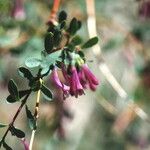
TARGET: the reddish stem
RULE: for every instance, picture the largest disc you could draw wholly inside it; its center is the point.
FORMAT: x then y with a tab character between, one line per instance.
53	12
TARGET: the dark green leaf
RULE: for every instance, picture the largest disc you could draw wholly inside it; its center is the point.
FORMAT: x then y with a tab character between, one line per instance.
35	84
57	37
13	89
49	39
81	54
1	142
47	93
24	72
11	99
17	132
73	26
63	25
79	24
62	16
6	146
32	62
76	40
2	125
23	93
91	42
31	119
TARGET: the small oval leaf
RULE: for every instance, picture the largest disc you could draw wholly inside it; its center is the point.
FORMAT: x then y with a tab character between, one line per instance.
47	93
17	132
73	26
6	146
62	16
48	43
31	119
76	40
13	89
24	72
2	125
32	62
11	99
91	42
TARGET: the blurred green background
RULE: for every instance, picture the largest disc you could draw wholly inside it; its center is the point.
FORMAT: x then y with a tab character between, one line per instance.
99	120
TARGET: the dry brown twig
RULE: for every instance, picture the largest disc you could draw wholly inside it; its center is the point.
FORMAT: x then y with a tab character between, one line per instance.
91	23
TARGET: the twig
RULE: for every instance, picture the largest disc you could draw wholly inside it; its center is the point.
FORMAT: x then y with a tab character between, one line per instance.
91	22
36	115
16	115
53	12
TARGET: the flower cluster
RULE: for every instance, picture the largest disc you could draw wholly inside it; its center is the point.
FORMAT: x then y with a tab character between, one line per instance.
77	76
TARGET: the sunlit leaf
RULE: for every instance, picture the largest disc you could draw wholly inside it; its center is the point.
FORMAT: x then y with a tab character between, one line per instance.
32	62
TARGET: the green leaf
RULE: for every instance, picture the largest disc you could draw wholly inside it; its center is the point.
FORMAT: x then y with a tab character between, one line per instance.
24	72
13	89
76	40
79	24
6	146
23	93
17	132
73	26
35	84
63	25
81	54
31	119
57	37
47	93
48	43
45	70
2	125
51	59
1	142
11	99
91	42
32	62
62	16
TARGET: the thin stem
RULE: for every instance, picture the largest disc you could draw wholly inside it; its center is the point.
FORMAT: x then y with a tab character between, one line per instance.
36	115
16	115
53	12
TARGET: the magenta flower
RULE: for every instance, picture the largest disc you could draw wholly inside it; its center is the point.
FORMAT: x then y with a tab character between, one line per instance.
87	77
18	11
26	145
75	85
58	83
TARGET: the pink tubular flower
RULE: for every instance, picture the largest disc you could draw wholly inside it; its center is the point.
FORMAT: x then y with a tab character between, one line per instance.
58	83
26	145
86	76
18	11
75	85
